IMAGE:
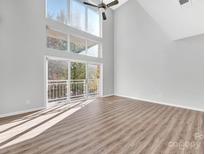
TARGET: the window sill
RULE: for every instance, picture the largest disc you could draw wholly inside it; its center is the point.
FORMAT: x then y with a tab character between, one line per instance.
67	28
73	56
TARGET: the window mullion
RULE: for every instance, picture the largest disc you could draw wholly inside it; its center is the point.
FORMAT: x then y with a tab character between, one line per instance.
68	40
100	25
69	12
86	47
99	55
86	18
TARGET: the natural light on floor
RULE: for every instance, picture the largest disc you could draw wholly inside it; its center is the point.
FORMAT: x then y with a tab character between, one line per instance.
34	124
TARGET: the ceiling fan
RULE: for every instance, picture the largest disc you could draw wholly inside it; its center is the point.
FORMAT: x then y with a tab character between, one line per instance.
103	6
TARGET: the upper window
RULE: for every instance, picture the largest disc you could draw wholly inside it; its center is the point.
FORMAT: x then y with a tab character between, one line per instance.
93	22
56	40
84	47
71	43
76	14
77	45
57	10
92	49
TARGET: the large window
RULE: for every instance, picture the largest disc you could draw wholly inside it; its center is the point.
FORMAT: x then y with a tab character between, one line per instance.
74	28
76	14
75	44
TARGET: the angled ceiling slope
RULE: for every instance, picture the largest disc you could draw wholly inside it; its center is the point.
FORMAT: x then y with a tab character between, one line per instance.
178	21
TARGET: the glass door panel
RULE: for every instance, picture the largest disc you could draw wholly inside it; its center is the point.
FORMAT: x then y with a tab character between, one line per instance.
69	80
57	80
78	80
93	79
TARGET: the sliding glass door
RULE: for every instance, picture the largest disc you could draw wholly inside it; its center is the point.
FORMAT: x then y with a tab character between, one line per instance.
58	80
93	80
68	80
78	80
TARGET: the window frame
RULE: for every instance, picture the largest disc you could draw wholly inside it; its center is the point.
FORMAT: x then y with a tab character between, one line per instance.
80	36
69	2
86	45
100	20
57	31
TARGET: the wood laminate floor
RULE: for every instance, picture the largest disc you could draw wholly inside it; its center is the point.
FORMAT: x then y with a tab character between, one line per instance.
112	125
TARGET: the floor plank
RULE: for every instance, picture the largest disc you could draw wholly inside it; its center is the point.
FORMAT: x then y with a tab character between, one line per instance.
110	125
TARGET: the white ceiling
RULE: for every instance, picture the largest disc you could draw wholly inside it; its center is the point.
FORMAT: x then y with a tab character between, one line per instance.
176	20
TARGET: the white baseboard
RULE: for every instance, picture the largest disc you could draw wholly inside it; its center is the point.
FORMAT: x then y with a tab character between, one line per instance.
140	99
108	95
21	112
162	103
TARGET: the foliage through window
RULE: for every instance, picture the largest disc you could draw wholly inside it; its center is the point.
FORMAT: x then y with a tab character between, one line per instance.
78	70
59	41
93	71
57	70
76	14
93	78
77	45
57	10
56	40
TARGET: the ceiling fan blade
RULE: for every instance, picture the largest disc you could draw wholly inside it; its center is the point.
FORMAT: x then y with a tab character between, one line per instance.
104	16
112	3
93	5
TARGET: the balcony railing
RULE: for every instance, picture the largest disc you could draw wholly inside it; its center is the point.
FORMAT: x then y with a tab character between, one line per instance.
93	87
77	89
58	90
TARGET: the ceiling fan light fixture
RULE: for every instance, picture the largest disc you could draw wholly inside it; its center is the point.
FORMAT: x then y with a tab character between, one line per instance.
103	6
182	2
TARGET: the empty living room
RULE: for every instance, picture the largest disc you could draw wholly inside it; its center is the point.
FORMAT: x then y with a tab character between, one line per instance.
102	77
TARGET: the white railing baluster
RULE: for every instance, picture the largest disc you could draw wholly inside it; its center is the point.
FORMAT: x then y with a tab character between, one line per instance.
57	89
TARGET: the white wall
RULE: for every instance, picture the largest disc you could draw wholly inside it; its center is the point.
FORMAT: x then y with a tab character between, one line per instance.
22	51
148	65
108	54
23	48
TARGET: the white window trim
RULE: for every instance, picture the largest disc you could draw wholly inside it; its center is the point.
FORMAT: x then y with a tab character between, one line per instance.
100	89
69	19
69	30
86	38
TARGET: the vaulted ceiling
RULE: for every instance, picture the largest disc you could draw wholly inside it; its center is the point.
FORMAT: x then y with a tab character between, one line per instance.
178	21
